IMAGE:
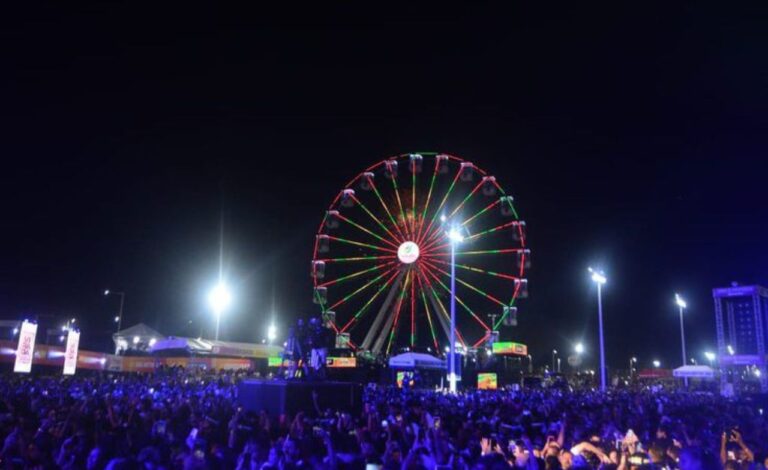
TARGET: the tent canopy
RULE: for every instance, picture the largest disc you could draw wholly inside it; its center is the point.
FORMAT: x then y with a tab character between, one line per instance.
414	360
137	337
217	348
698	372
141	330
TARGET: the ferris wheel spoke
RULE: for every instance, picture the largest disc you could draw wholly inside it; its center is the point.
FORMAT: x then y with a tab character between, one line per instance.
399	307
356	259
475	269
360	289
468	285
355	274
426	309
386	209
429	247
429	197
360	227
400	206
367	304
492	230
464	201
365	245
437	230
482	340
439	207
481	212
479	252
445	319
458	299
374	218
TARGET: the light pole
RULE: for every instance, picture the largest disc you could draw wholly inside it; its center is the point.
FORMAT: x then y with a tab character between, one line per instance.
579	350
530	364
681	305
554	360
632	362
710	357
119	317
599	278
219	298
455	238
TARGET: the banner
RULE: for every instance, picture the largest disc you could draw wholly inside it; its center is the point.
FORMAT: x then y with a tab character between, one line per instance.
70	354
26	348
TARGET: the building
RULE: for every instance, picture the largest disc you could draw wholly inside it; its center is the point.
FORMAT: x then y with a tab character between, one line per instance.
741	323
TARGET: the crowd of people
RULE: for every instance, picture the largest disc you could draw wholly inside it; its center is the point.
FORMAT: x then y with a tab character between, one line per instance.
192	420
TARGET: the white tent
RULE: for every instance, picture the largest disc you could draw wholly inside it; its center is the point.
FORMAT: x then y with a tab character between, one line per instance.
216	348
416	361
139	337
694	372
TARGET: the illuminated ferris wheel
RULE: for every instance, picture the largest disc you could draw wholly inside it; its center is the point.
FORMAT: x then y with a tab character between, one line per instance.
381	263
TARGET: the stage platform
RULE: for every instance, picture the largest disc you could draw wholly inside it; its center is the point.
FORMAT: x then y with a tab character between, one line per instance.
291	396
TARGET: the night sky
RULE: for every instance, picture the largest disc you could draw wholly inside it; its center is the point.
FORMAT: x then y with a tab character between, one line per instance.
631	139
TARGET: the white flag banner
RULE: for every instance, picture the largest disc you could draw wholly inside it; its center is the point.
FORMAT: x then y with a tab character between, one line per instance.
70	355
26	348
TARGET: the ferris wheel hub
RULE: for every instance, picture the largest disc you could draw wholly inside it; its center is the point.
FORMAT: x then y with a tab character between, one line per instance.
408	252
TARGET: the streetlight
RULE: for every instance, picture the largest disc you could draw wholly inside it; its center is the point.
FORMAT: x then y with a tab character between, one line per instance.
656	363
682	305
710	357
119	317
599	278
554	359
455	237
271	333
219	298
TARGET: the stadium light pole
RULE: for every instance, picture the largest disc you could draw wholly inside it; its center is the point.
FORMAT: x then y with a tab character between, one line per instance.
681	306
455	237
119	317
219	299
599	278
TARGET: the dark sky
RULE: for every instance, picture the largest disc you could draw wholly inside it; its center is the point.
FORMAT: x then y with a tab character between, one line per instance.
634	139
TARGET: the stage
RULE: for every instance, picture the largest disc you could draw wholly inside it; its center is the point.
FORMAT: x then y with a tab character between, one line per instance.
291	396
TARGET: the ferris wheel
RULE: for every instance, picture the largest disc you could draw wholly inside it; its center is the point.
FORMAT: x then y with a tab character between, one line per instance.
382	255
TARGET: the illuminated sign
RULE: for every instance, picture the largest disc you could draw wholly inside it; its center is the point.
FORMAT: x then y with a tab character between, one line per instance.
487	381
339	362
508	347
26	348
408	252
70	354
